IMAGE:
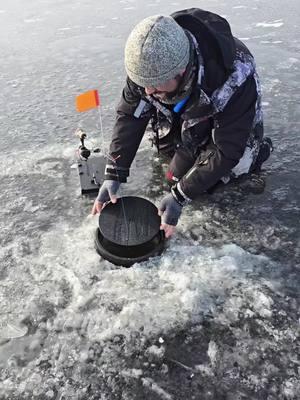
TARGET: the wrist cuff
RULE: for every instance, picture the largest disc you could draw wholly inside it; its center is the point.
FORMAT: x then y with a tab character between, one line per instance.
179	195
115	173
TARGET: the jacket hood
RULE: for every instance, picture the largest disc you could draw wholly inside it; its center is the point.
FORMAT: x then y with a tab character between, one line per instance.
212	32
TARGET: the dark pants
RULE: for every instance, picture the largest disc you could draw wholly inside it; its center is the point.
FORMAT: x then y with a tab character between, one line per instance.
182	156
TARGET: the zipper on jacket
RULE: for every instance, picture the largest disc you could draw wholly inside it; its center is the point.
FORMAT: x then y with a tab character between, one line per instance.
202	162
216	124
205	161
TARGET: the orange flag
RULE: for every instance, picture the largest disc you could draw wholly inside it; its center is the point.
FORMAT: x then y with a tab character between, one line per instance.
88	100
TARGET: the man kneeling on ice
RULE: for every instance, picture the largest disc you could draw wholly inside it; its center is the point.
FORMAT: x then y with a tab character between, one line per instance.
198	86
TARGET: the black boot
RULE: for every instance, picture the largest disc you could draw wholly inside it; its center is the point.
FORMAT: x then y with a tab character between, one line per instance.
265	149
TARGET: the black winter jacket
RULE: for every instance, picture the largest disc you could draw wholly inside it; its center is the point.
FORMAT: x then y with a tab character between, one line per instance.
232	126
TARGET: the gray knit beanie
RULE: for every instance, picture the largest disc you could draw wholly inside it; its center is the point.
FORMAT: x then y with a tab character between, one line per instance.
156	50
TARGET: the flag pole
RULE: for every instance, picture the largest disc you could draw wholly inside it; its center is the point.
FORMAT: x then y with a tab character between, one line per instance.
85	102
107	155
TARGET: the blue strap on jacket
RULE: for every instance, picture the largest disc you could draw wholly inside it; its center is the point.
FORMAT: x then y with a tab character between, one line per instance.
179	106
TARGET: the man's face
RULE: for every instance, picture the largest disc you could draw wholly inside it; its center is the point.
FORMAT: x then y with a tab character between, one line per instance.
168	89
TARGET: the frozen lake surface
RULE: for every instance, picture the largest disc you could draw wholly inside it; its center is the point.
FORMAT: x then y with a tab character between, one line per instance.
217	316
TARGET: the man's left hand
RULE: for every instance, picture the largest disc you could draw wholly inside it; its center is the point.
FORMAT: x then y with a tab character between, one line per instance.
170	211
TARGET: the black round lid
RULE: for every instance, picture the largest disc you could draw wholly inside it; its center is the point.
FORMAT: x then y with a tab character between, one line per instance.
132	221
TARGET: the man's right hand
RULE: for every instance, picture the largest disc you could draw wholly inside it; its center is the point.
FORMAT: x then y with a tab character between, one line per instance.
107	192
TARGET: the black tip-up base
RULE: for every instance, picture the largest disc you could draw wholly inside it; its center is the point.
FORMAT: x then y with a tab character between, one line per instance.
91	172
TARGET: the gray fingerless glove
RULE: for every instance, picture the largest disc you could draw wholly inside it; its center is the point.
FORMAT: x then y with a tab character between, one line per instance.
171	210
108	188
172	204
